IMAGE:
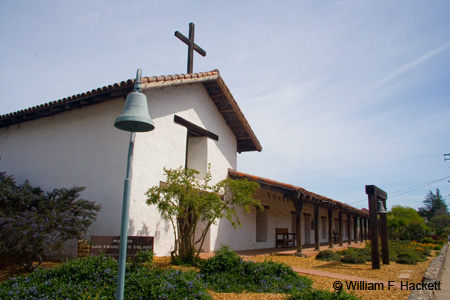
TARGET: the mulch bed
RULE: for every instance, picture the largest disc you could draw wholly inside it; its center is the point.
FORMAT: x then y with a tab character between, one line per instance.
386	273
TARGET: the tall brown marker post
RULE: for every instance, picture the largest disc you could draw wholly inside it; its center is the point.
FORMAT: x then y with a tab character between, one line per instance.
375	195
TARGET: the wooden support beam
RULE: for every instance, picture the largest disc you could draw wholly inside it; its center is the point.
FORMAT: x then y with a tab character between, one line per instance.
384	237
298	204
355	228
341	238
349	220
361	229
316	227
367	229
330	227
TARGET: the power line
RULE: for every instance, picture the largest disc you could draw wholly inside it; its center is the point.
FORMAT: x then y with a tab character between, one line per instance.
414	188
407	190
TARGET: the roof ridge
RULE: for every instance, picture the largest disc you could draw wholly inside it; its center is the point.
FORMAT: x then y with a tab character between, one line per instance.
110	87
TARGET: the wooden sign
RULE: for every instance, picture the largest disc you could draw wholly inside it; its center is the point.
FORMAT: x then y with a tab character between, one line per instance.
110	245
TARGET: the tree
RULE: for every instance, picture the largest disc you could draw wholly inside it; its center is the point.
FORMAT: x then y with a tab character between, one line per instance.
440	224
434	205
186	202
404	223
35	224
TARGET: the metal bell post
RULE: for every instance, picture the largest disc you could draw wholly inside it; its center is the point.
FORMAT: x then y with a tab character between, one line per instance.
134	118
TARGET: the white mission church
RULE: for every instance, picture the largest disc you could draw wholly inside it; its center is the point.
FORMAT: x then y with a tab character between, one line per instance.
72	141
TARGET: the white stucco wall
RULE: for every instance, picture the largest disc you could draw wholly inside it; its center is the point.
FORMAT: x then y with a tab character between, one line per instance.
280	214
82	147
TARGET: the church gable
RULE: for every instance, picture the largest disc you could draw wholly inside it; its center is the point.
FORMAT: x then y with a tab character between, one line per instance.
213	83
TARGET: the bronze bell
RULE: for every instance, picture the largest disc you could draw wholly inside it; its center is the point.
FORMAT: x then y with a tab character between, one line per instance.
381	209
135	116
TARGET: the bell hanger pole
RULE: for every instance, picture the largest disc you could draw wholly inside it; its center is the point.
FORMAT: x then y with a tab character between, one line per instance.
134	118
137	82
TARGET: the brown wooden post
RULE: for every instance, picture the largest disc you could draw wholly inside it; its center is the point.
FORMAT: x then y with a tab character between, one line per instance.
355	228
375	194
330	227
316	227
361	228
349	229
374	231
384	236
366	228
341	238
298	203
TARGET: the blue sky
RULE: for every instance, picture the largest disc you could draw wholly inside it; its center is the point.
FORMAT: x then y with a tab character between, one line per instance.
341	94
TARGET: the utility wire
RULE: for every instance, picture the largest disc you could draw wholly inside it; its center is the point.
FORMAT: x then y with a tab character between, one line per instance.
414	188
407	190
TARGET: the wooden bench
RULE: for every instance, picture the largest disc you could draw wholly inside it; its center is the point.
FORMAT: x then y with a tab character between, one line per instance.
335	237
284	238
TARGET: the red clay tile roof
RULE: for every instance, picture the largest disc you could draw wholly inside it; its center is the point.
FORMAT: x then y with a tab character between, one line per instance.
212	81
298	191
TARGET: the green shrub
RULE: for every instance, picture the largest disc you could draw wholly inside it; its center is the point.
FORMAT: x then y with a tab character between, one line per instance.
328	255
45	221
407	258
354	258
312	294
224	261
354	255
145	257
227	272
428	240
437	247
441	242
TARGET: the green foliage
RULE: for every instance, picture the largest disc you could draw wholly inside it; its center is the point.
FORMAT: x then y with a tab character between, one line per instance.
186	202
409	252
328	255
434	205
415	232
353	255
224	260
440	225
144	257
407	258
34	224
441	242
312	294
428	240
227	272
96	278
404	223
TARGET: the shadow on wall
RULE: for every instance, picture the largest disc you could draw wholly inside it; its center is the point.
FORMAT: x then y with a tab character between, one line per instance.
144	231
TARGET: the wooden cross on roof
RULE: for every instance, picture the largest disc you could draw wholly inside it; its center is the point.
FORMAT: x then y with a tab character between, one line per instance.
191	47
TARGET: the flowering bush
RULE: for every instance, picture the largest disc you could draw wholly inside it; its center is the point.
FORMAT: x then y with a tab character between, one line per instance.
34	224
